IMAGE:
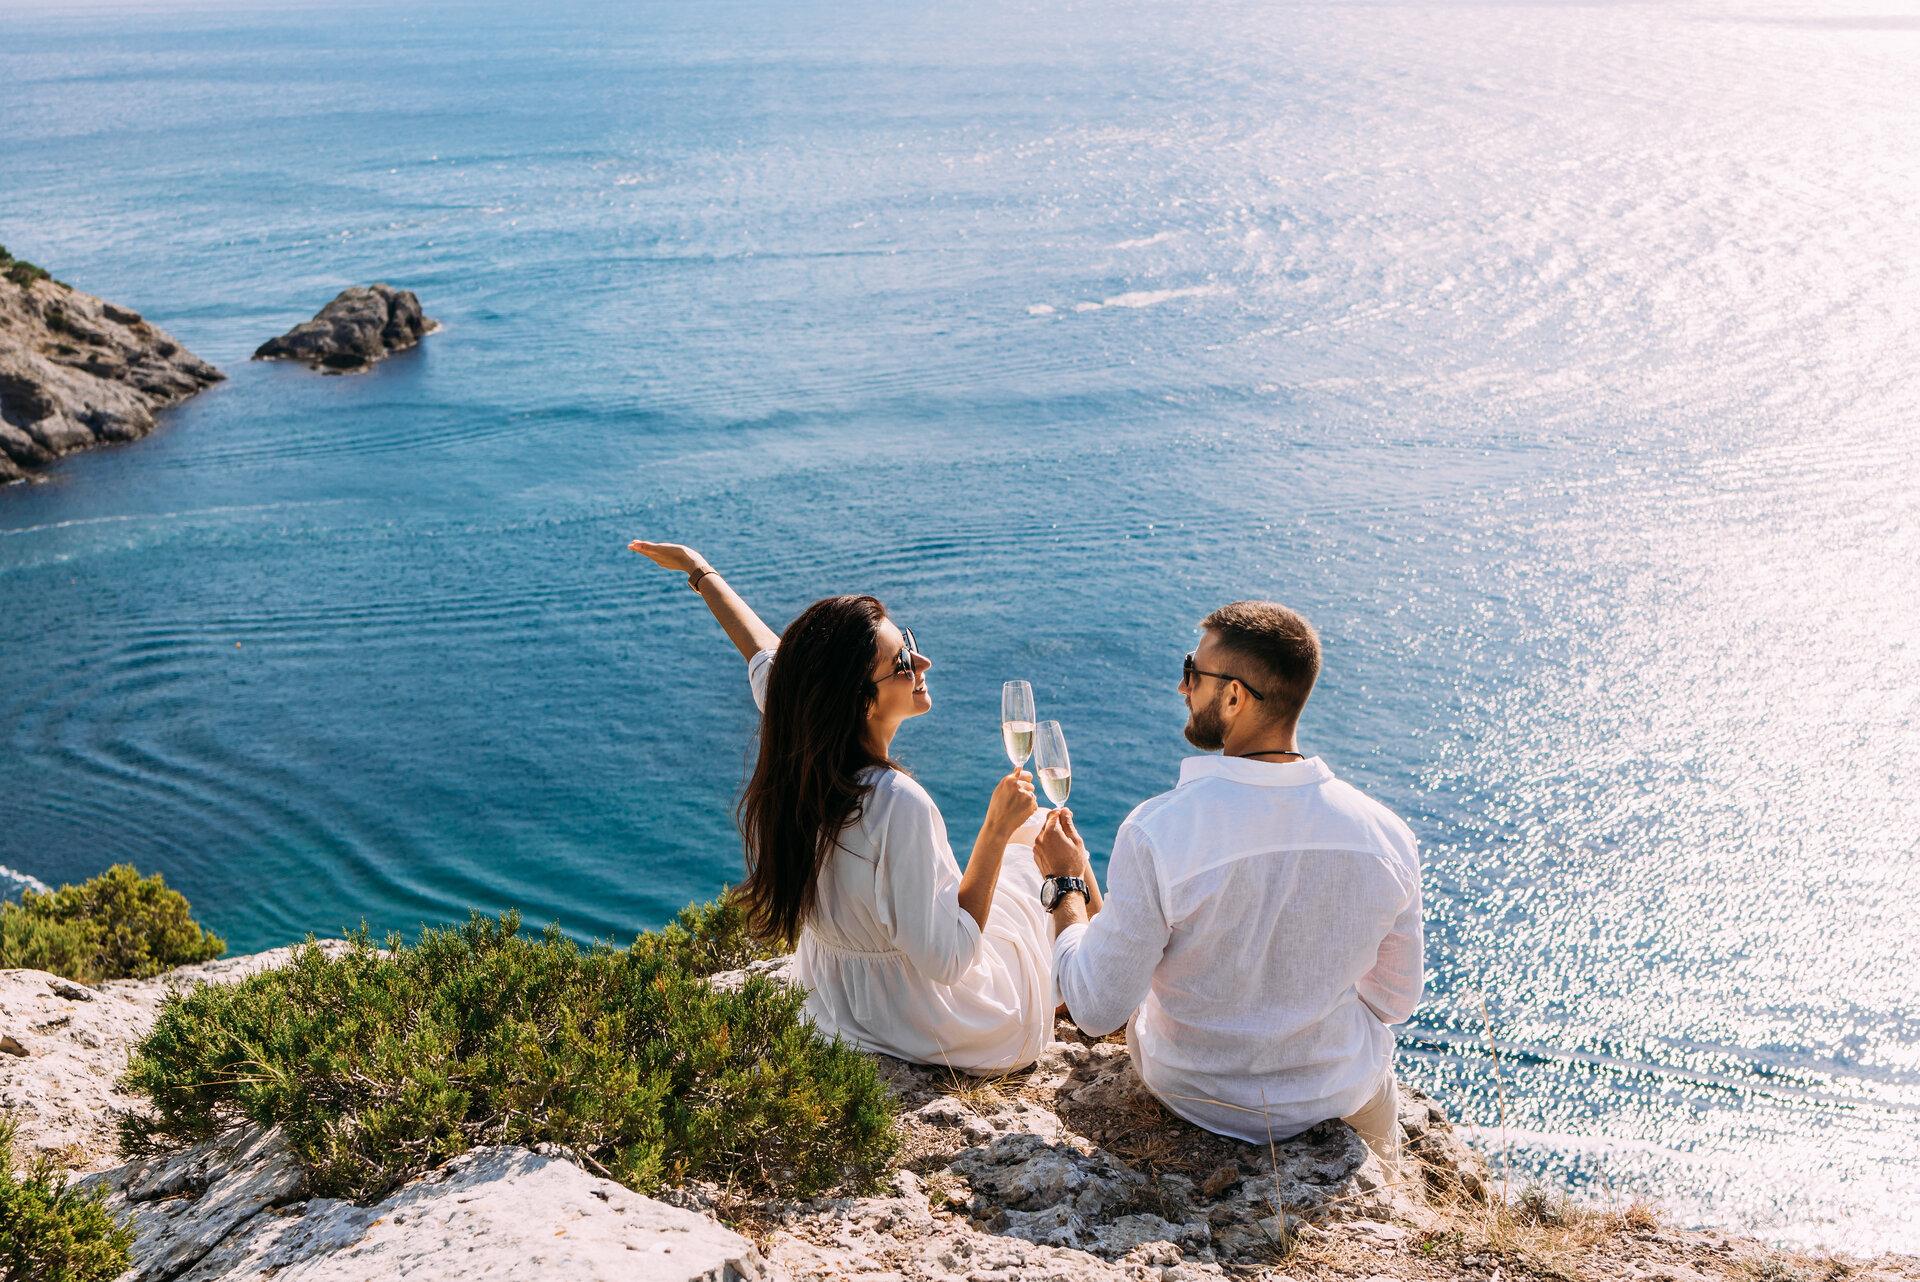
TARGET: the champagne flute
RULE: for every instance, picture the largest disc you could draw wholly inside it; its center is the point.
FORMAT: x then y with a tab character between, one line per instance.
1016	721
1050	754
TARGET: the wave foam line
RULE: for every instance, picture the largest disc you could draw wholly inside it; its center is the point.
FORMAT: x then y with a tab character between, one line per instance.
168	516
1141	242
24	879
1139	298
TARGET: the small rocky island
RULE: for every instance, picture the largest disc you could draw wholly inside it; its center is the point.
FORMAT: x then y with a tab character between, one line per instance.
362	325
77	371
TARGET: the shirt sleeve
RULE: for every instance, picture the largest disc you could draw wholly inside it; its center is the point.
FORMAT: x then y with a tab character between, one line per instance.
1104	969
759	672
917	886
1393	987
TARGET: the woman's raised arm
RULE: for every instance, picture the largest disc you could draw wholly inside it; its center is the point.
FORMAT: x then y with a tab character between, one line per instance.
744	628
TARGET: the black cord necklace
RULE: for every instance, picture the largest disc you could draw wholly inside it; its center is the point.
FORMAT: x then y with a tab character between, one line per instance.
1268	752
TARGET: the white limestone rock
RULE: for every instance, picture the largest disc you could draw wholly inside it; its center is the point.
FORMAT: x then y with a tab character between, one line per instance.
230	1210
185	1204
780	968
63	1045
495	1213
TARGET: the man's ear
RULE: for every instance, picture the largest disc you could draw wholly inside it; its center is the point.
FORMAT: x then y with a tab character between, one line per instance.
1245	705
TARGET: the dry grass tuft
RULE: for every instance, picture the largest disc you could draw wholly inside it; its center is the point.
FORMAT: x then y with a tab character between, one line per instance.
987	1094
1538	1233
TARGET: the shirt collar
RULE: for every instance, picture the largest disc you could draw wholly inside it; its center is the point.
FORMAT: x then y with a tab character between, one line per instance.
1269	774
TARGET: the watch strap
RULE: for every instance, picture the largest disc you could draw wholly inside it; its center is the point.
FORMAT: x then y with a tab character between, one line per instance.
1055	889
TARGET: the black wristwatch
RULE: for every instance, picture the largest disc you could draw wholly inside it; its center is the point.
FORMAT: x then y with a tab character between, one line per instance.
1054	889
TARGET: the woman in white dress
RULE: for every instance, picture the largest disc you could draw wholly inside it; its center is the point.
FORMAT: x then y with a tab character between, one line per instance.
847	856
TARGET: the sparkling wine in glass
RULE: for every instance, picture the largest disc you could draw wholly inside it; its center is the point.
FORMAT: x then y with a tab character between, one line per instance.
1016	721
1050	754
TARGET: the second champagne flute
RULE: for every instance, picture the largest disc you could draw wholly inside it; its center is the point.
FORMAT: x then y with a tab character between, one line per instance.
1016	721
1050	754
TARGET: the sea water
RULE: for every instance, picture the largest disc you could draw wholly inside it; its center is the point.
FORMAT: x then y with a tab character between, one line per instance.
1558	361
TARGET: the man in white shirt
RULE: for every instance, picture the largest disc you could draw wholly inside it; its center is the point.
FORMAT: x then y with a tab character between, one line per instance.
1261	927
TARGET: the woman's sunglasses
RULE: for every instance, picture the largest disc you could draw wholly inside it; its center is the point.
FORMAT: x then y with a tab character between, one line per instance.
903	662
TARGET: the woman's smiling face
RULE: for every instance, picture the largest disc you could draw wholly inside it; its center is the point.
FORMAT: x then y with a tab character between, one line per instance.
901	694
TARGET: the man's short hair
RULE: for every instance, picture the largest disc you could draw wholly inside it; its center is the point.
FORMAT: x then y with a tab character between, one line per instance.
1278	644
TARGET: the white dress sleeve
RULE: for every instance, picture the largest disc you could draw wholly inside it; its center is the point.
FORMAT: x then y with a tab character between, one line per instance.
759	672
917	883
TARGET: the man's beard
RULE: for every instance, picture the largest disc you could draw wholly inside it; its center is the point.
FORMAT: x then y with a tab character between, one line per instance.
1205	728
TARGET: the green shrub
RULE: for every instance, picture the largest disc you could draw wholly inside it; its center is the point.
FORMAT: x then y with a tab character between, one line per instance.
708	938
51	1232
382	1065
119	925
25	273
37	943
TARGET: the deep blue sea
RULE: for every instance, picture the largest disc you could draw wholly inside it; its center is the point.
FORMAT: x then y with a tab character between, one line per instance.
1559	361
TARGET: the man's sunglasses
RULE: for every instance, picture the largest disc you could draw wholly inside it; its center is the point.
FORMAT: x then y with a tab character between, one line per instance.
903	662
1188	672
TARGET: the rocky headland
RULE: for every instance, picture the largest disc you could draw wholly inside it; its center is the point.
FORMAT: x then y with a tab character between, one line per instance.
1068	1171
362	325
77	371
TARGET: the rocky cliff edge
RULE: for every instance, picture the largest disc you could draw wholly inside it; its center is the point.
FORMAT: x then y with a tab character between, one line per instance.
1066	1171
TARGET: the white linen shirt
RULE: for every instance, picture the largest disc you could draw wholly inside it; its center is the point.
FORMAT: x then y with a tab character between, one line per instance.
1261	930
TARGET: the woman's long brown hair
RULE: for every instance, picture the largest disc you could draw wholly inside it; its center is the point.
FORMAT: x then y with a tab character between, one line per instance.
806	785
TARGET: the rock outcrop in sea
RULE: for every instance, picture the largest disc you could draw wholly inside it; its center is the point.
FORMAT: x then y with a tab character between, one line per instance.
362	325
1068	1171
77	371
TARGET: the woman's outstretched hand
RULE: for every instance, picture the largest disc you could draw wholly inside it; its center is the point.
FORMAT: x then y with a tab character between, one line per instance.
1058	850
671	556
1012	803
748	632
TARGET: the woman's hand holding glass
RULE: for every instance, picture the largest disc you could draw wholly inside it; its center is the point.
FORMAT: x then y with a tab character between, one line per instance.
1012	804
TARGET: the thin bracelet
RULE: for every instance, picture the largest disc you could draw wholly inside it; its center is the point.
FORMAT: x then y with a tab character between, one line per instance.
693	580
